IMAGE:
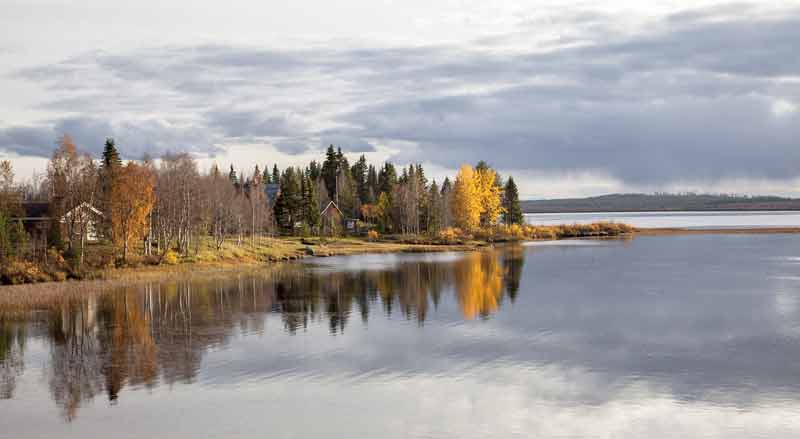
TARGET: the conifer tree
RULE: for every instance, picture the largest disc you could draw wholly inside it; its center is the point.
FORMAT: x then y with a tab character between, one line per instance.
330	170
111	159
109	169
372	184
512	213
276	175
387	179
311	210
359	173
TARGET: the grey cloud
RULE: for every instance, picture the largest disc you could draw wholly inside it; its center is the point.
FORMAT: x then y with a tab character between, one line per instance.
348	142
637	142
291	147
135	139
252	124
690	98
31	140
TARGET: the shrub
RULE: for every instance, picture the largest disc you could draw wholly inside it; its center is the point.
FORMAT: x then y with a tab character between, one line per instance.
20	272
451	234
170	258
372	235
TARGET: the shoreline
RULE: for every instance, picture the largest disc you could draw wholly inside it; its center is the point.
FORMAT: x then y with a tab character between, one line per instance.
34	294
31	295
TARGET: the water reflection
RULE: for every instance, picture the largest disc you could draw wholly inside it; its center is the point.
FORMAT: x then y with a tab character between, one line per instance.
155	334
12	346
602	339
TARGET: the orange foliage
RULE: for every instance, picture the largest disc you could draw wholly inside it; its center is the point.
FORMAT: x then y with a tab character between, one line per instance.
479	284
132	199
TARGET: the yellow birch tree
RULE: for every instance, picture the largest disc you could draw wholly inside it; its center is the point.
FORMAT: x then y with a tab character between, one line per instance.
132	199
467	199
490	196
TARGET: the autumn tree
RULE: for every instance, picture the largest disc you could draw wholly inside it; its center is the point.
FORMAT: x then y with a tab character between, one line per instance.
466	206
73	179
257	201
219	194
178	206
490	193
132	199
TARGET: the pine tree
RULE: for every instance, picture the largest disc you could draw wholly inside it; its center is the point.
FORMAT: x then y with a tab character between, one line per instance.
111	159
311	211
387	179
108	173
372	184
314	170
512	211
289	205
330	170
359	173
433	209
276	175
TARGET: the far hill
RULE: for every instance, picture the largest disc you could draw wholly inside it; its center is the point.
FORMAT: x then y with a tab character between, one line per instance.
660	202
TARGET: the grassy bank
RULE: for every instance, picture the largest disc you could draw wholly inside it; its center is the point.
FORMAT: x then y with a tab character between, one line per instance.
204	256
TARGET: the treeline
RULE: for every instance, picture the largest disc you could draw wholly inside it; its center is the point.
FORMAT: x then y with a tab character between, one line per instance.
159	208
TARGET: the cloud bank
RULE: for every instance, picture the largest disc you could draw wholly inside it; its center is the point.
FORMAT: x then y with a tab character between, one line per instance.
700	95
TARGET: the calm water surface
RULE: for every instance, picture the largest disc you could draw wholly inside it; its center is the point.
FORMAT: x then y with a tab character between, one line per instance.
658	337
689	220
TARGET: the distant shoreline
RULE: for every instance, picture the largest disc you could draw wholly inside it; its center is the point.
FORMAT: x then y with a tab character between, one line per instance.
662	203
718	210
660	231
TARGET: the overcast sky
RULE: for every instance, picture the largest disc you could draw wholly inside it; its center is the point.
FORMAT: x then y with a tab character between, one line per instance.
572	98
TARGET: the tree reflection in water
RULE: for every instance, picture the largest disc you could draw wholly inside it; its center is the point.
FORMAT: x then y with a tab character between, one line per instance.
156	334
12	346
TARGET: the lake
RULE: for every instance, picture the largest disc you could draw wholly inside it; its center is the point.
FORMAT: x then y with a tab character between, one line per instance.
654	336
689	220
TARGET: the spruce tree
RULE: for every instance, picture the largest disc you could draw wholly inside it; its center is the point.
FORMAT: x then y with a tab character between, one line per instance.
330	170
387	179
512	211
372	184
359	173
111	159
276	175
310	208
108	171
